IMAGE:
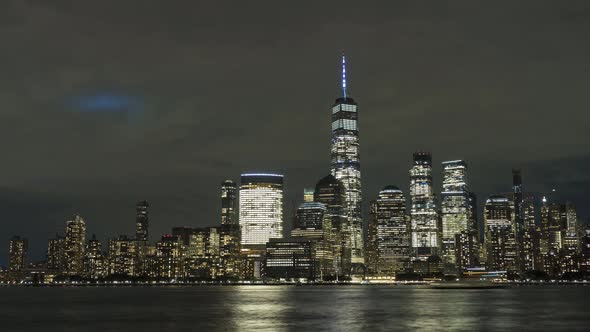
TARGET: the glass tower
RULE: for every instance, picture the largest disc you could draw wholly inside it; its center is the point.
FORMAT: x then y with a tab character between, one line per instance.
228	202
455	209
390	233
75	244
500	236
345	164
261	209
142	221
423	214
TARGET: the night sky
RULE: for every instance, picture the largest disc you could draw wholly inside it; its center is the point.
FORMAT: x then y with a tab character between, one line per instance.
105	103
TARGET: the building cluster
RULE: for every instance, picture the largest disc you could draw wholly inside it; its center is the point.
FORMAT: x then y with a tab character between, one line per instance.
421	235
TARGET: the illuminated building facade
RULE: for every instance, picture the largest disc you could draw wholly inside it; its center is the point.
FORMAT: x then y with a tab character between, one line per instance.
389	233
455	210
261	209
56	254
530	254
308	194
169	257
346	167
123	257
500	237
142	221
332	193
75	244
94	260
289	259
229	198
423	213
313	223
17	257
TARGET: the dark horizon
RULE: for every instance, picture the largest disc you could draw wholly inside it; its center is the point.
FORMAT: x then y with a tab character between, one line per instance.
103	115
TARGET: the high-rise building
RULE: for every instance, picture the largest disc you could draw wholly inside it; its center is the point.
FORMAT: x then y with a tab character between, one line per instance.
142	221
229	233
530	251
56	254
17	257
123	257
170	257
455	210
308	194
313	223
289	259
229	197
261	209
94	260
345	164
75	244
500	236
423	213
389	230
331	192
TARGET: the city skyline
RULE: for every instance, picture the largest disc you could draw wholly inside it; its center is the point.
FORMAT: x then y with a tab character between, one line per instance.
130	138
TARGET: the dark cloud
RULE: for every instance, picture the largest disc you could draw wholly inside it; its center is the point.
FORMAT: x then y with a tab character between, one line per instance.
227	87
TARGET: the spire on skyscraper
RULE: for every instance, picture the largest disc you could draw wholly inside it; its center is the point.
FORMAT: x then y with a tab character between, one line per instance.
343	76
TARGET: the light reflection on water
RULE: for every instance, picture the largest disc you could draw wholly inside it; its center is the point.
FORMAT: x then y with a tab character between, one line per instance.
290	308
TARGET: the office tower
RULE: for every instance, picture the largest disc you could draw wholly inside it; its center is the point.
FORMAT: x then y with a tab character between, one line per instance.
530	246
500	237
142	221
123	257
345	164
390	230
289	259
455	210
423	213
202	251
56	254
229	197
229	251
308	194
313	223
331	192
169	257
261	209
570	251
94	260
75	243
17	257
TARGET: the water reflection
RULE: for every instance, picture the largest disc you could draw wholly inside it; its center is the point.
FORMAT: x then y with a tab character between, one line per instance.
260	308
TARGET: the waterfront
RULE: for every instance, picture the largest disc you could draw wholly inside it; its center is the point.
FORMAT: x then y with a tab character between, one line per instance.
292	308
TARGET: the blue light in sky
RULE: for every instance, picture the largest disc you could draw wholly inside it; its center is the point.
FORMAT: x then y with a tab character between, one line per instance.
105	102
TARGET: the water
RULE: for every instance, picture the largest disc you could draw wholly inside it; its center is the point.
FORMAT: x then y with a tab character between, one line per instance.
291	308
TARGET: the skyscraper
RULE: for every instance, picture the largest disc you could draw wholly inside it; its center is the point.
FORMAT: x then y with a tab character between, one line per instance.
142	221
56	254
261	209
331	192
390	230
17	257
94	261
123	256
229	232
455	210
500	237
423	214
75	243
345	164
313	223
229	197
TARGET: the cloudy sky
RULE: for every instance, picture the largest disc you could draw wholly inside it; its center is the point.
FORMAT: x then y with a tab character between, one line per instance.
105	103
